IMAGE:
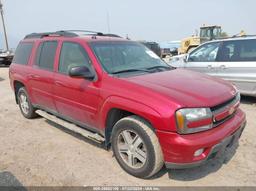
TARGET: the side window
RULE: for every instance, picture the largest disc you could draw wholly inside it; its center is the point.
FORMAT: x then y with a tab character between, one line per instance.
228	51
248	50
205	53
238	51
45	55
72	55
22	53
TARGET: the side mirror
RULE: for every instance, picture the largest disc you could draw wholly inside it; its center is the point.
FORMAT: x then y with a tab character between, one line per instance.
81	72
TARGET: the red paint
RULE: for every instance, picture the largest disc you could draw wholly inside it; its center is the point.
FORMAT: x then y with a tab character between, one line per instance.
154	97
227	112
200	123
180	148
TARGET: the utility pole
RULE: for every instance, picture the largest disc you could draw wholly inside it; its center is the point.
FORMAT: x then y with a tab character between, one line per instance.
2	17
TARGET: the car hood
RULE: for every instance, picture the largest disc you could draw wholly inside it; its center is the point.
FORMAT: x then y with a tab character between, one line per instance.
187	88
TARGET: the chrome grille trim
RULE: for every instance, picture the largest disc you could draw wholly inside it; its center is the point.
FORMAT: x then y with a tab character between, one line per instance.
226	106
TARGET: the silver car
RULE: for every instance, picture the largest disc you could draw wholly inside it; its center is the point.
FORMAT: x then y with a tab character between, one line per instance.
232	59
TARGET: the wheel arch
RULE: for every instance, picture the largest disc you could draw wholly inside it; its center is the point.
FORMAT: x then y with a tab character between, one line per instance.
17	85
117	108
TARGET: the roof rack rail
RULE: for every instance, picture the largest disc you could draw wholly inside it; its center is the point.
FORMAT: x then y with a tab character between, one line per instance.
69	33
112	35
83	32
57	33
96	33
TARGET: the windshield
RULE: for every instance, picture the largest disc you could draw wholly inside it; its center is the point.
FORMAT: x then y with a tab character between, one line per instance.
117	57
210	32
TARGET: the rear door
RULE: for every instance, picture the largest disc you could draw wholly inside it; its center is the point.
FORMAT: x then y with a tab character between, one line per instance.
237	64
203	59
41	76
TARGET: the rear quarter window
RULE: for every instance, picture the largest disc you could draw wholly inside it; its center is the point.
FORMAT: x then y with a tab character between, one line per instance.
248	51
22	53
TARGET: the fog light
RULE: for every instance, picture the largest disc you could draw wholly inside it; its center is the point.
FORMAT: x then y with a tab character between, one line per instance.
198	152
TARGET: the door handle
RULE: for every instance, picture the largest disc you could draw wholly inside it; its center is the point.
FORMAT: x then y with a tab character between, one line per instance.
58	83
34	76
223	67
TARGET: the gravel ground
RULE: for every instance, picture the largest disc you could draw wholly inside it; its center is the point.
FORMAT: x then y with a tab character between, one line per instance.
36	153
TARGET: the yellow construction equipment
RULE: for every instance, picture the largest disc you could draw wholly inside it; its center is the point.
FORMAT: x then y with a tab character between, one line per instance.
207	33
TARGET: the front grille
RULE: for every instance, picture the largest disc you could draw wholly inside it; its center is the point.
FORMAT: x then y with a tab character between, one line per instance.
217	107
225	110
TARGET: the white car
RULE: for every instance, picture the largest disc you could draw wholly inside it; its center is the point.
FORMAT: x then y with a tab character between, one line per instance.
232	59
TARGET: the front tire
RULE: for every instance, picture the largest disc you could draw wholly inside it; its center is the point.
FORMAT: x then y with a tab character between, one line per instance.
136	147
26	108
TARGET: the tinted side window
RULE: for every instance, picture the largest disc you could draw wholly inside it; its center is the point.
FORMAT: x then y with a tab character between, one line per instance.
45	55
238	50
205	53
248	50
72	55
22	53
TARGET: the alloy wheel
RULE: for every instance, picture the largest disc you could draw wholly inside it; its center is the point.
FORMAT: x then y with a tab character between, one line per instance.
132	149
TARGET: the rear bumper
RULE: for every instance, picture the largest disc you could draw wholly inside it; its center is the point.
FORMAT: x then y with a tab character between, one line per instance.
178	150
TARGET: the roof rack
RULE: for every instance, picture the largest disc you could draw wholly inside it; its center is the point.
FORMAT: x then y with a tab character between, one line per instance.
57	33
69	33
83	32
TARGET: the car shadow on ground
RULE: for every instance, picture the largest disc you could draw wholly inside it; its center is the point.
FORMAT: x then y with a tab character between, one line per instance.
4	66
199	172
248	100
9	182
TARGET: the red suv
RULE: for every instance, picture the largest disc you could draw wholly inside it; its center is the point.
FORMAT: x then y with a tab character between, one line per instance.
125	97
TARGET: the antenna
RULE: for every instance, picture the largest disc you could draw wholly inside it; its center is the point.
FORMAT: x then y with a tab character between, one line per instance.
5	34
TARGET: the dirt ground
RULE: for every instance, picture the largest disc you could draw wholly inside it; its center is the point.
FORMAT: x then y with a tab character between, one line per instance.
36	153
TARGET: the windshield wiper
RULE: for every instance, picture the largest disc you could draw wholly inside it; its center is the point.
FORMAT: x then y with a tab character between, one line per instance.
131	70
156	67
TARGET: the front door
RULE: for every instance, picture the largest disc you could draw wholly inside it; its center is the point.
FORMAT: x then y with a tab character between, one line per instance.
203	59
75	98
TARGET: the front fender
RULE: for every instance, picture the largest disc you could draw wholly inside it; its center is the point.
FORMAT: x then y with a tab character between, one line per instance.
133	106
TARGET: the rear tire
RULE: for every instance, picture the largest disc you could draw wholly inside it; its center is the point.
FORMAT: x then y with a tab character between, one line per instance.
26	108
136	147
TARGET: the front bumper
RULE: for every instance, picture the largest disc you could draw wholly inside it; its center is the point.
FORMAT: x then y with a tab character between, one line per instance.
178	150
216	150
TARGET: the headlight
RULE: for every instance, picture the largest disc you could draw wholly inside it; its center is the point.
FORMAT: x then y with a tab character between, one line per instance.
193	120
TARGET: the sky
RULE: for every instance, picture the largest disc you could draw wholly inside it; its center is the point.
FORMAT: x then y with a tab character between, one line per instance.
159	20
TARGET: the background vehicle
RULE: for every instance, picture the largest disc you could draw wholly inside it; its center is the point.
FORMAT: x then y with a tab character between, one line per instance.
207	33
232	59
152	46
169	48
6	56
122	95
